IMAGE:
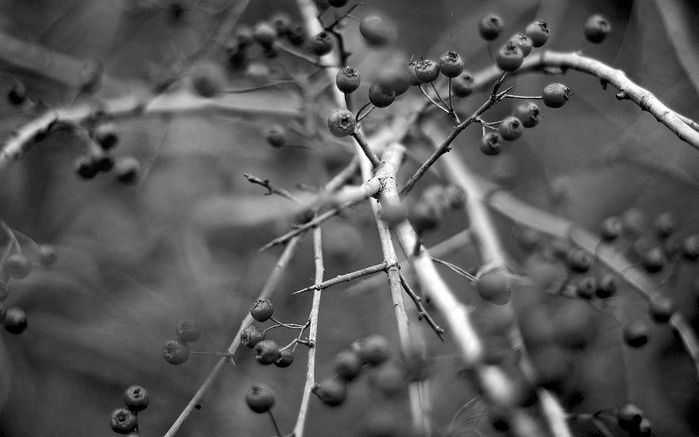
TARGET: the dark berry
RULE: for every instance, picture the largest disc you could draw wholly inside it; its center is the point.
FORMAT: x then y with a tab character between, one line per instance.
15	320
611	228
528	113
286	358
665	225
264	33
281	22
261	310
426	70
597	28
251	336
491	143
511	128
104	161
463	84
208	78
348	80
267	352
105	134
538	31
348	365
341	123
276	136
425	217
375	31
653	260
690	248
260	397
451	64
661	308
579	261
332	392
47	255
389	378
522	41
320	44
636	334
337	3
495	285
17	93
373	350
629	417
586	287
17	266
123	421
85	167
127	170
397	78
136	398
187	331
175	352
380	95
490	26
606	287
509	57
556	95
297	35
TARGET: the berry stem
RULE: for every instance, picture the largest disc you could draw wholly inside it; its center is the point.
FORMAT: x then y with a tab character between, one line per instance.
421	310
362	142
274	423
297	54
515	96
432	100
13	238
456	269
261	87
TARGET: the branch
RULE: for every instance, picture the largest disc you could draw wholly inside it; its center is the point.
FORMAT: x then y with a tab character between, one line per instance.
271	188
371	270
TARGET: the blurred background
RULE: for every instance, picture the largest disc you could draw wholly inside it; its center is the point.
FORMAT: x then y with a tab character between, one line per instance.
184	241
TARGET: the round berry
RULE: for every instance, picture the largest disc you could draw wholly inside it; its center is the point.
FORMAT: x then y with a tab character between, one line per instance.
208	78
281	22
509	57
556	95
528	113
552	366
495	285
690	247
661	308
85	167
538	32
397	78
276	136
127	170
463	84
393	214
389	378
188	330
629	417
251	336
264	33
261	310
380	95
597	28
348	365
320	44
579	261
373	350
522	41
634	222
490	26
451	64
47	255
573	321
332	392
586	287
104	161
611	229
105	134
286	358
342	123
297	35
511	128
426	70
267	352
175	352
636	334
260	397
665	225
136	398
123	421
425	217
606	287
375	31
337	3
17	93
244	36
491	143
17	266
15	320
653	260
348	80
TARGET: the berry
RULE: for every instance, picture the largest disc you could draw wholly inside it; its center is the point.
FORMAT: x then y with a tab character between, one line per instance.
390	379
296	35
578	260
15	320
208	78
373	350
17	93
606	287
281	22
426	70
556	95
552	366
85	167
397	78
17	266
495	285
490	27
123	421
104	161
187	331
348	80
380	95
136	398
528	113
491	143
629	417
348	365
286	358
463	84
538	32
105	134
175	352
341	123
574	327
264	33
633	221
393	214
611	229
375	31
451	64
597	28
636	334
267	352
522	41
425	217
320	44
653	260
127	170
509	57
511	128
665	225
337	3
331	392
586	287
260	397
276	136
251	336
47	255
661	308
261	310
690	248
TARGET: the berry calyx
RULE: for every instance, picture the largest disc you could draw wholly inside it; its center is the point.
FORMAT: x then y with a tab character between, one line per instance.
348	80
208	79
380	95
597	27
175	352
341	123
276	136
463	84
136	398
286	358
522	41
491	143
495	285
267	352
17	266
636	334
261	309
538	32
451	64
331	392
348	365
373	350
123	421
320	44
251	336
15	320
490	26
426	70
127	170
375	30
555	95
509	57
511	128
260	397
528	113
187	331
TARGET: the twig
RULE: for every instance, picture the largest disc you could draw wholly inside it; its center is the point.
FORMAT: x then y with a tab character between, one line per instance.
371	270
361	141
271	189
421	310
456	269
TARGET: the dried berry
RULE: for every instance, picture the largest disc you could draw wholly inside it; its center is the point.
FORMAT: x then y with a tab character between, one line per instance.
187	331
175	352
260	397
136	398
262	309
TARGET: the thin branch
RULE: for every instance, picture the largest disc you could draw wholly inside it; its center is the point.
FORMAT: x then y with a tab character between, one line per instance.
456	269
371	270
361	141
271	189
421	310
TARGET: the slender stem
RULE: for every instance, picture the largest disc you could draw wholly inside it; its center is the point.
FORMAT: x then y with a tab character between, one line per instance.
274	423
432	100
516	96
376	268
441	100
456	269
261	87
421	310
295	53
271	189
361	141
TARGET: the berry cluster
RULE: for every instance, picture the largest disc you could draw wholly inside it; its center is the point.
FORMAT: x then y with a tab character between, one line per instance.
177	351
125	420
102	139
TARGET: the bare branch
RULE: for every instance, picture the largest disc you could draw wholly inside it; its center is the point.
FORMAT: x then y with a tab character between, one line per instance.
271	189
371	270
